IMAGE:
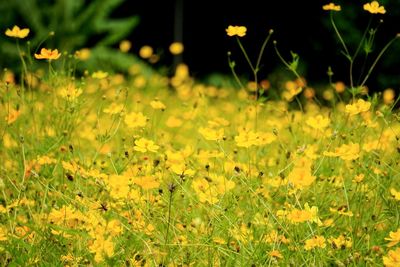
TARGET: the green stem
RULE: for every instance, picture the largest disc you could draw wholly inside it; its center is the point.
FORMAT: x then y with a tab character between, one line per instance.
262	49
232	67
378	58
356	53
340	36
245	55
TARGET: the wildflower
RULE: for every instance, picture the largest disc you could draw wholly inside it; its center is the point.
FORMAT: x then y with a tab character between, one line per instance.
388	96
345	152
135	120
212	134
341	242
392	259
292	90
359	178
3	233
296	216
157	104
114	108
16	32
102	247
205	191
319	122
100	74
236	30
301	177
146	52
340	87
265	138
331	7
315	242
342	211
374	8
144	145
12	116
246	139
314	214
125	46
48	54
394	238
358	107
147	182
241	233
83	54
70	93
173	122
176	48
118	186
395	193
275	254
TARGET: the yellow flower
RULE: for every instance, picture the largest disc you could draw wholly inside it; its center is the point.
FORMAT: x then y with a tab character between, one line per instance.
395	193
301	177
292	89
147	182
374	8
315	242
146	52
3	233
212	134
12	116
102	247
100	74
332	7
135	120
173	122
358	107
205	191
83	54
341	242
157	104
345	152
16	32
176	48
394	238
125	46
236	30
48	54
319	122
388	96
114	108
144	145
246	139
275	254
392	259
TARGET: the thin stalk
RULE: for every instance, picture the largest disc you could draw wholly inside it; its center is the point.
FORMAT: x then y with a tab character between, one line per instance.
378	58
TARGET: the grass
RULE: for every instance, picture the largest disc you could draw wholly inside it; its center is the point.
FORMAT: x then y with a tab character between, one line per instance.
147	170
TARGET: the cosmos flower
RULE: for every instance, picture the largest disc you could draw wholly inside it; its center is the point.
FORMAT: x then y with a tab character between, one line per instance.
374	8
16	32
48	54
236	30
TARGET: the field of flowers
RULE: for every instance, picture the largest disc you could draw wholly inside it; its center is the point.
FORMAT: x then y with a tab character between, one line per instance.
139	170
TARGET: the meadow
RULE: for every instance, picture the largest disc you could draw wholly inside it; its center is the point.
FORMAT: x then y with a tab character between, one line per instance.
107	169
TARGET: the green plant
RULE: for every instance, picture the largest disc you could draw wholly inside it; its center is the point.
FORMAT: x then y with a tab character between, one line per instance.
366	46
70	25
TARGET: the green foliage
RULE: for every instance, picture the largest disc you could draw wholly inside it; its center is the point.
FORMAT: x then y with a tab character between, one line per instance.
67	25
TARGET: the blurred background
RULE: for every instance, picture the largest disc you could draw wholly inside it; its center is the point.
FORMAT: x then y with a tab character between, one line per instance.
299	26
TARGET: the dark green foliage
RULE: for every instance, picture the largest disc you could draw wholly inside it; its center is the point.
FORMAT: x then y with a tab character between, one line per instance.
75	23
